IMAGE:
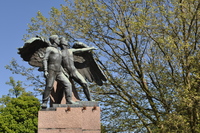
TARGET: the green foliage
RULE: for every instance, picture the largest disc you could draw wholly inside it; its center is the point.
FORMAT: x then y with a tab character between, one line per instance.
149	52
19	113
34	78
17	87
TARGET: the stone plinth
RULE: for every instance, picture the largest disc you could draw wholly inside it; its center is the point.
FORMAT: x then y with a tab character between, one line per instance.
83	117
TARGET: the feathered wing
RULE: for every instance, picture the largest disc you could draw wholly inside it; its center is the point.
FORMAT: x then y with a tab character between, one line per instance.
33	51
88	67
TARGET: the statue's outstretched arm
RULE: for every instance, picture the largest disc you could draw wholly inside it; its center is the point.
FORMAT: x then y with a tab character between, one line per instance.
82	49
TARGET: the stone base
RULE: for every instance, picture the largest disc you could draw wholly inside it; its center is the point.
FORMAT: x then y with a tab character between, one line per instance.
83	117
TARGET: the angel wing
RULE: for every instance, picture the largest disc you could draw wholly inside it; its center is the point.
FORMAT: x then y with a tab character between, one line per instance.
33	51
87	66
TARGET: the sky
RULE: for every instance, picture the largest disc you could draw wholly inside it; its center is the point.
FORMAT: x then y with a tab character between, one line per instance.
15	15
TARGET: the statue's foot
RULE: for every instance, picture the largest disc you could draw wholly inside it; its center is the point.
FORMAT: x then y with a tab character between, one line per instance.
44	105
71	102
90	99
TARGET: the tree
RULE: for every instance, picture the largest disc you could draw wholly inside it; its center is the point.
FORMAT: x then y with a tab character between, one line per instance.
20	110
34	78
149	51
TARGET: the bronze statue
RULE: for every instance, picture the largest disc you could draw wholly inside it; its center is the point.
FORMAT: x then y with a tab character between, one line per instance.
52	71
68	65
62	63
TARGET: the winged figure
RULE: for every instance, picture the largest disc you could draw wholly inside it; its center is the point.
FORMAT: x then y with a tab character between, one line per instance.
78	61
33	51
83	61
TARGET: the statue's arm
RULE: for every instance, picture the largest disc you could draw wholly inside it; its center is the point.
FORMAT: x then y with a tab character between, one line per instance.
82	49
45	61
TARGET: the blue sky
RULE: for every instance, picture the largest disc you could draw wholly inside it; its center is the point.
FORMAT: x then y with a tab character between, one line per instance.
15	15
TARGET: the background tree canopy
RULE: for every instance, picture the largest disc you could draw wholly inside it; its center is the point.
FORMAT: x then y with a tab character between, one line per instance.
18	110
149	52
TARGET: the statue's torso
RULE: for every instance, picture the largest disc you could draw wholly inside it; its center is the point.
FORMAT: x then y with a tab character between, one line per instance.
55	59
68	60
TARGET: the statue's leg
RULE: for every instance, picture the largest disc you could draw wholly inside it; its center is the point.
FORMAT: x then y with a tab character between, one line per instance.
87	92
80	80
49	85
67	87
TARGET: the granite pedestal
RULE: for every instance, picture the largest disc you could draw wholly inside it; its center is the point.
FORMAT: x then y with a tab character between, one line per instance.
83	117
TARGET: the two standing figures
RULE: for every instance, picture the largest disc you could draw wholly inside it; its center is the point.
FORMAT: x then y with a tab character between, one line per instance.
62	63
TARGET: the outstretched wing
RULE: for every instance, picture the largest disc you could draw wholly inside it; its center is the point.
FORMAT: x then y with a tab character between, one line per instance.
33	51
87	66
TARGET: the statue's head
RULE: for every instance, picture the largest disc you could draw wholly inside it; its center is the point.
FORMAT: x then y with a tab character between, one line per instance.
64	42
54	39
